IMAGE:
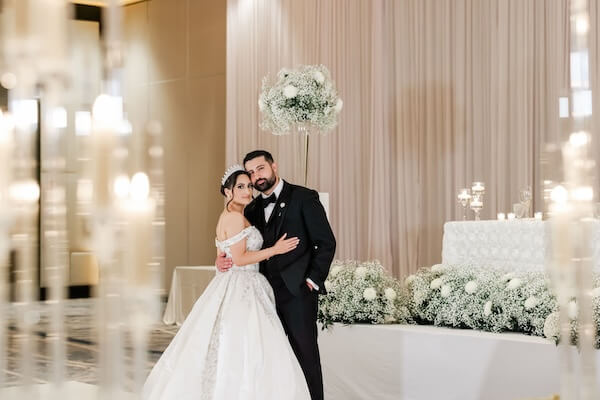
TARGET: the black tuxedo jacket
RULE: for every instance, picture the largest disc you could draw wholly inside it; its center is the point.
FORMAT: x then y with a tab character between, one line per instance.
299	213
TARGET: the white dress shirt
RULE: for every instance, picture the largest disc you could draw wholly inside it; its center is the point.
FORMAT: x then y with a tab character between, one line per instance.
270	207
269	210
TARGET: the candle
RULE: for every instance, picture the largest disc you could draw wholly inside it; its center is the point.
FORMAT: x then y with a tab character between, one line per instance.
511	216
464	196
538	215
476	204
478	187
501	216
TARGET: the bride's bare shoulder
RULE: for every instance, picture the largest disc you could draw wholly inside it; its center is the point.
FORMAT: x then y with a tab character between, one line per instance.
232	223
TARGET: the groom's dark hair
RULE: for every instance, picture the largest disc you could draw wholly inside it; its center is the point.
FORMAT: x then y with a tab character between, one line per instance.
258	153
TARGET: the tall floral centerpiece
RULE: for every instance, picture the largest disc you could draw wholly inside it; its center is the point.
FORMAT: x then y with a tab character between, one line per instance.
304	100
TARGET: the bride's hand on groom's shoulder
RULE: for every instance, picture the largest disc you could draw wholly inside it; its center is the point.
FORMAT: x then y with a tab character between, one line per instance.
223	263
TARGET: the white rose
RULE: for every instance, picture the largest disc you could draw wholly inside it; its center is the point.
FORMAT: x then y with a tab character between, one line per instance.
446	290
551	326
328	286
438	268
436	283
319	77
531	302
507	277
573	309
596	292
283	72
360	272
335	270
290	91
369	294
338	105
514	283
390	294
261	104
471	287
410	279
487	309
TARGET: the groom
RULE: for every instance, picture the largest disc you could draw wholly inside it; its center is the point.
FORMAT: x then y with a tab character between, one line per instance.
299	276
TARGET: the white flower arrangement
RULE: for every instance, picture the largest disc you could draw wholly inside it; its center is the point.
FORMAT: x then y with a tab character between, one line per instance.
462	296
305	95
492	299
362	293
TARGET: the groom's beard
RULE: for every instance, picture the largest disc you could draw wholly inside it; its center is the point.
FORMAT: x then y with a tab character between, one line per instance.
264	184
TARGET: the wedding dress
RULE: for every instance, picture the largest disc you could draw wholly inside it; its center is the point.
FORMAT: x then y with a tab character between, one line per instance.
232	345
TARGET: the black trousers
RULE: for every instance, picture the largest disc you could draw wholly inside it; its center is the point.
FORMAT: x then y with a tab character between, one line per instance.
298	314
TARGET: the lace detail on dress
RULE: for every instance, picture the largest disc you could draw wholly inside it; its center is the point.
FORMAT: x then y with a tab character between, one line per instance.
254	242
209	373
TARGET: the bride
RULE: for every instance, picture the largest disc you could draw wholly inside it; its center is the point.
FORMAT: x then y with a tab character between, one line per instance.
232	344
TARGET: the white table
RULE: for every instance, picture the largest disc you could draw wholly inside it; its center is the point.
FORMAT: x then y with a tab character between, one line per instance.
187	286
412	362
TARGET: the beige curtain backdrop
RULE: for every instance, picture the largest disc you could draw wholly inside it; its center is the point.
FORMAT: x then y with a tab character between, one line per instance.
436	94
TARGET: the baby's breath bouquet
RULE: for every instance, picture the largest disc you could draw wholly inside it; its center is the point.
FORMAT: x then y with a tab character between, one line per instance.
362	293
490	299
302	97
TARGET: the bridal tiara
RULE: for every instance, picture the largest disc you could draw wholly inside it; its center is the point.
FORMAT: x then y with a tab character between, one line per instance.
231	170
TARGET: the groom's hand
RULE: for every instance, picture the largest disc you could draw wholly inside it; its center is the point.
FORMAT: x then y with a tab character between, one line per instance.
223	263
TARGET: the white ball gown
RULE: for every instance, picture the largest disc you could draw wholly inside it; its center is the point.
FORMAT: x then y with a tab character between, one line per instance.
232	344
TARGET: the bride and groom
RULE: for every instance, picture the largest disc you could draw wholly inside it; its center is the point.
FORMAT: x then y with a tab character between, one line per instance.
253	334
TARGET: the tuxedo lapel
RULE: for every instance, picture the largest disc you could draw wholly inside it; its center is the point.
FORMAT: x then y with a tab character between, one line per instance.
281	208
260	214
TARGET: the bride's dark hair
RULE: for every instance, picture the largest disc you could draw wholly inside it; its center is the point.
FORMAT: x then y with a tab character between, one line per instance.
230	184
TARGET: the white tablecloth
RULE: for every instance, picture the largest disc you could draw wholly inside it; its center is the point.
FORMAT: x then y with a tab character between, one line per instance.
403	362
187	285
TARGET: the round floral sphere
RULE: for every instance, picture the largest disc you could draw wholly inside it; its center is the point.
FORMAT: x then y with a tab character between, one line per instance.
305	96
369	294
409	279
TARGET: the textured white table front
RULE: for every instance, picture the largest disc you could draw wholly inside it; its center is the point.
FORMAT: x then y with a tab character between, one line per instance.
520	244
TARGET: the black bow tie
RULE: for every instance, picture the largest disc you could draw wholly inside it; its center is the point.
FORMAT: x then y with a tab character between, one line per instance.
271	199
